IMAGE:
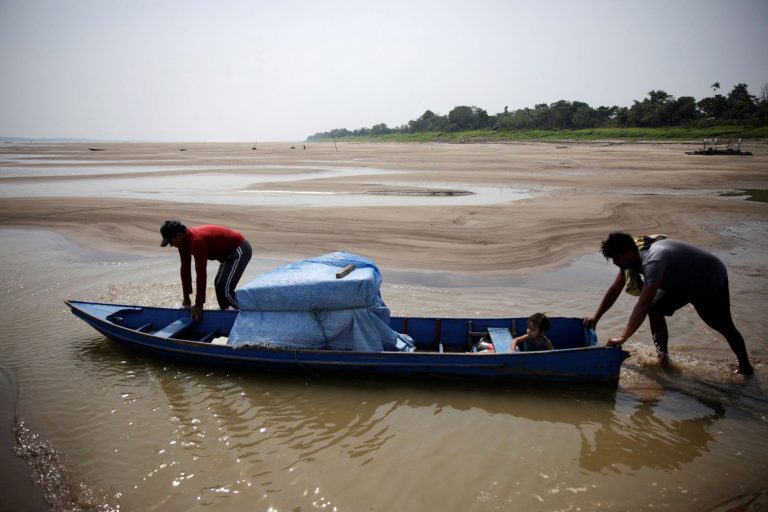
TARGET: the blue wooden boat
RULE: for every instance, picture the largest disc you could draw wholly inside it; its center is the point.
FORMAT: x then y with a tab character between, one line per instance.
442	346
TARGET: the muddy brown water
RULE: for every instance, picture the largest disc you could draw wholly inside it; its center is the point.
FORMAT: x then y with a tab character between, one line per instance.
139	433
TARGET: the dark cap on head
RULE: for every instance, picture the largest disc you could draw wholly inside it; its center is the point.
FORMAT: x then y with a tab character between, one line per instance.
170	229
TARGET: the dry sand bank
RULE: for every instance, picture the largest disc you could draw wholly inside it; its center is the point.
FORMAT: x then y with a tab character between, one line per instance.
580	192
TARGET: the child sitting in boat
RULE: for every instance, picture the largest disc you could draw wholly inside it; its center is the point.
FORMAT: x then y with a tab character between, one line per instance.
534	339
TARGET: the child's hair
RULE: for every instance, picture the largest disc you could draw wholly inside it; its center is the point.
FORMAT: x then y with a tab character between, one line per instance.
539	321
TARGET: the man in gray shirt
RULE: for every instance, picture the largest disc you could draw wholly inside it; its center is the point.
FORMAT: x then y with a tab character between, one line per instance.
676	274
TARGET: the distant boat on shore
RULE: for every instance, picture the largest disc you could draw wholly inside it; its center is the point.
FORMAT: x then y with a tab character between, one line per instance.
712	147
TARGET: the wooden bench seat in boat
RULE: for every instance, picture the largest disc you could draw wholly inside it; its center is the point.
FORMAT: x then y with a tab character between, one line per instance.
145	328
175	328
207	337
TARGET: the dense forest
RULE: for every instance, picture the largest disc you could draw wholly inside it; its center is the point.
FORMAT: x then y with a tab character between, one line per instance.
658	110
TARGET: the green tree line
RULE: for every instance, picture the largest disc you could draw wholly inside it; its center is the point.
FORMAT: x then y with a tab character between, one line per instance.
658	110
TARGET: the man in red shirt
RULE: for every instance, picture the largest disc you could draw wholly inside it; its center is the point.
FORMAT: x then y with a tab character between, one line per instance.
208	242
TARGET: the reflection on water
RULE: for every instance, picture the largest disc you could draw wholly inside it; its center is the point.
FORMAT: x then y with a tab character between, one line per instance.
662	433
264	429
163	435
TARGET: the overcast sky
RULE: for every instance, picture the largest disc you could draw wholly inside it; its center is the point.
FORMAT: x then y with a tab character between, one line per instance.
240	70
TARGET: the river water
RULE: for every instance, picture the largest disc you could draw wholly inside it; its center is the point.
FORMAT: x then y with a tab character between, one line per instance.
107	429
228	186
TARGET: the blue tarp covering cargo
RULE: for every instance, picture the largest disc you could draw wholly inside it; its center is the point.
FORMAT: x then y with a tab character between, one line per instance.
304	305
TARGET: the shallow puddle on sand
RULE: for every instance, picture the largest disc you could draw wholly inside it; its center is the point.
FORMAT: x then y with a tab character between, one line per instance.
752	194
230	187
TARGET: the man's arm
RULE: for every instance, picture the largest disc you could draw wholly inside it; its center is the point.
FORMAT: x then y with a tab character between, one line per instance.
639	312
201	265
200	255
608	301
200	273
186	276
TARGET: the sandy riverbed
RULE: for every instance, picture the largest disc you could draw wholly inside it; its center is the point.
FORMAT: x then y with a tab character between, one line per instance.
579	192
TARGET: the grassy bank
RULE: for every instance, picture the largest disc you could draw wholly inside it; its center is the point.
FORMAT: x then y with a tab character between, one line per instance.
630	134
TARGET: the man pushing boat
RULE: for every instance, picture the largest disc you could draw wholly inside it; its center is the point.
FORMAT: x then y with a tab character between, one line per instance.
674	274
208	242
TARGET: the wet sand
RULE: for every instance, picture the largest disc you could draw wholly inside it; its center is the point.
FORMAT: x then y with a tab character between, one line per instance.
17	488
441	259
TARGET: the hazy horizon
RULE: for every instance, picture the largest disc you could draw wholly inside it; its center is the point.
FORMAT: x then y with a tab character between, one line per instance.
256	71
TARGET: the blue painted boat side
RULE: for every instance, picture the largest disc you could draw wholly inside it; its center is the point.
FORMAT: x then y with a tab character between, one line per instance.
588	363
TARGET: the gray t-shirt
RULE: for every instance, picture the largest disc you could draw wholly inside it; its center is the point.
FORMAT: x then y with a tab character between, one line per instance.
678	267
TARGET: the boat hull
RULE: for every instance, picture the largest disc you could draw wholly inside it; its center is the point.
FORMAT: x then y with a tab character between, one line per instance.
579	364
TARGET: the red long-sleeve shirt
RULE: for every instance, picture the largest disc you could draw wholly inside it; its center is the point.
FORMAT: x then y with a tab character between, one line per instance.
206	242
